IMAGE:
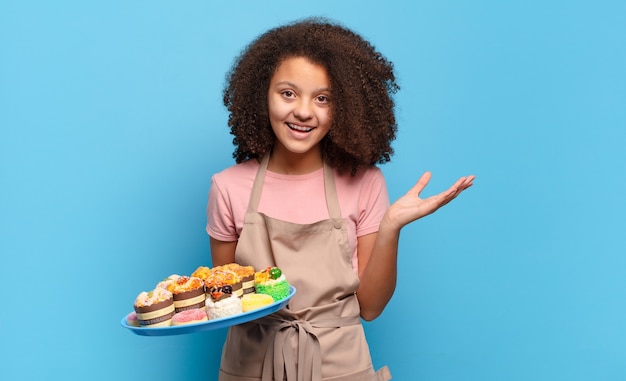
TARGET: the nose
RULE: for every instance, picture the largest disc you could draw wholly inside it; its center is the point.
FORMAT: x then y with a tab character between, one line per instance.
303	110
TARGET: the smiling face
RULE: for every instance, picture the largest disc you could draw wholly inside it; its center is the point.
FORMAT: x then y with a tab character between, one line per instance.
299	110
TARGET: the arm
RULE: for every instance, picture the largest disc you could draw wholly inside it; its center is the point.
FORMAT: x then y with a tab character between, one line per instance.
378	252
222	252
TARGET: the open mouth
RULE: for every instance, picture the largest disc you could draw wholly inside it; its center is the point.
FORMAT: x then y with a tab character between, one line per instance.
296	127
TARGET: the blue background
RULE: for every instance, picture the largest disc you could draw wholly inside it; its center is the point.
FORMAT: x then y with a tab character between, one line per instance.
112	125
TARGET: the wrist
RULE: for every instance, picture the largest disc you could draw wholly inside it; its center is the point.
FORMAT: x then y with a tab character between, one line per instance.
389	226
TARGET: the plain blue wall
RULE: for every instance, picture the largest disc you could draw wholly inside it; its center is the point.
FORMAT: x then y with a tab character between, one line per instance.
112	125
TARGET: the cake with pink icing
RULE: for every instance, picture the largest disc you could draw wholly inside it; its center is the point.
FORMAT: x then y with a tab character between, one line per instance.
131	319
190	316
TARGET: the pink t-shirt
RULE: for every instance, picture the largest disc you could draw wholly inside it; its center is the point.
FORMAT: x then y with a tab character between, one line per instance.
296	198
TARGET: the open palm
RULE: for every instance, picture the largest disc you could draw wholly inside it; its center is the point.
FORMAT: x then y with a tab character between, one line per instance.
411	207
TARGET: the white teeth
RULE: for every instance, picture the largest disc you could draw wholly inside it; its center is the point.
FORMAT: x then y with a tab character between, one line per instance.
299	128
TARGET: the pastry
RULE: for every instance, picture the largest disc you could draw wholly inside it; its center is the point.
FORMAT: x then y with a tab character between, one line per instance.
190	316
251	302
272	281
246	273
167	281
223	277
201	272
188	293
154	308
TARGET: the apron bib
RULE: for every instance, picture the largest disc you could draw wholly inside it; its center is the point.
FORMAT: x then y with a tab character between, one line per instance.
319	335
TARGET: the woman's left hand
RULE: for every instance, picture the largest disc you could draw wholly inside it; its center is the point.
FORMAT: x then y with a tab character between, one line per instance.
411	207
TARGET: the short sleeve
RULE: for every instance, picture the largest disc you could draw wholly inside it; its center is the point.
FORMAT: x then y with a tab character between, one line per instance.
373	202
220	219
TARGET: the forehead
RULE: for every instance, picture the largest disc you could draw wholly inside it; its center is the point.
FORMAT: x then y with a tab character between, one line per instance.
302	72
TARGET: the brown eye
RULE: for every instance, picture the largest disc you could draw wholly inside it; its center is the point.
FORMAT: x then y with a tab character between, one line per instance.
323	99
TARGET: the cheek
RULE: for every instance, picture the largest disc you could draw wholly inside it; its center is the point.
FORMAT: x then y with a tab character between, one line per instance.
325	118
277	109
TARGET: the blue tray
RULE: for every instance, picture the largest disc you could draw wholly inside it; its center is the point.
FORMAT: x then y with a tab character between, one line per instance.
212	324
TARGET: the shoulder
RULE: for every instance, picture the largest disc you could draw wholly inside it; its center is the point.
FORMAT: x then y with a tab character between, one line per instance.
366	184
241	174
250	166
228	200
365	176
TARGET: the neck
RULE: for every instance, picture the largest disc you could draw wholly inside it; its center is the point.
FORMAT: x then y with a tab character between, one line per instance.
289	163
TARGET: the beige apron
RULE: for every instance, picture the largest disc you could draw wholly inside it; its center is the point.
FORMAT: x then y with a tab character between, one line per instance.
319	335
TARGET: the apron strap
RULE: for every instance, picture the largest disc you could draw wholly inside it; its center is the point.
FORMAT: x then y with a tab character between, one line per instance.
279	357
332	201
255	195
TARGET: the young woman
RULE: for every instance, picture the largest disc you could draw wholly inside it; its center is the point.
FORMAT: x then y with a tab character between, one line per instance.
312	113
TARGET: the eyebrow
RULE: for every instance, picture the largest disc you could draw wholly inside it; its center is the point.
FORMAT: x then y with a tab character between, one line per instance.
291	84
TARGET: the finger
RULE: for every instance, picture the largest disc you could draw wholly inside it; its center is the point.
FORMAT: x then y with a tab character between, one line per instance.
421	184
435	202
469	181
462	184
455	188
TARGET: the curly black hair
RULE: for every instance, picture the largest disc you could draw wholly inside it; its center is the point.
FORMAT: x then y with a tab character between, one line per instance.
362	83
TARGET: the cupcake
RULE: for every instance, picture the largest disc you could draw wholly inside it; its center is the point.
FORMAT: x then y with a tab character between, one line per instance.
223	307
246	273
272	282
188	293
154	308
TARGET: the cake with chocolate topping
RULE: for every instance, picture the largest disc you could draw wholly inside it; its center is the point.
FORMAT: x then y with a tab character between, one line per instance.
223	288
219	277
246	273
